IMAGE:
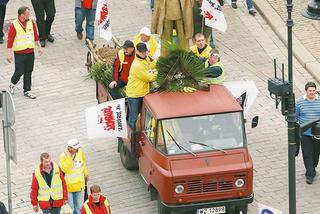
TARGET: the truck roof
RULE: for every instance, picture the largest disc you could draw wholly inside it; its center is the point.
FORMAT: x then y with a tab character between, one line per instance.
180	104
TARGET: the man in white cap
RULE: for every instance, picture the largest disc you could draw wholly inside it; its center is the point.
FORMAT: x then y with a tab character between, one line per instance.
146	37
72	163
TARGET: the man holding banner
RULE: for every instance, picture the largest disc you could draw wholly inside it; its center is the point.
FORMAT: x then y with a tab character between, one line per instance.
85	9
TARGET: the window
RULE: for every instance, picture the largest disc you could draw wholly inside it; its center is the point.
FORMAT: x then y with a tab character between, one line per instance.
149	126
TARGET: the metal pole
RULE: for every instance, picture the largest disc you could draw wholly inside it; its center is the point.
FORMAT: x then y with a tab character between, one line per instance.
291	119
7	149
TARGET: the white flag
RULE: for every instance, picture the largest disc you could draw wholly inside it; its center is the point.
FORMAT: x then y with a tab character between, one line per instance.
245	92
103	18
263	209
107	120
213	15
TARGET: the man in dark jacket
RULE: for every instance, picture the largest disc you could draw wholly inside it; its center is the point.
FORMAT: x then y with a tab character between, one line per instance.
3	209
3	4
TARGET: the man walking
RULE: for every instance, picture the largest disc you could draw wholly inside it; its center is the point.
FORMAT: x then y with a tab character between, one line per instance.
44	8
22	37
96	203
3	4
48	189
307	109
72	162
85	9
121	68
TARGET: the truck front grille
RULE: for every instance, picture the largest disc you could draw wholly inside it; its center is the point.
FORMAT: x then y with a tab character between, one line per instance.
207	186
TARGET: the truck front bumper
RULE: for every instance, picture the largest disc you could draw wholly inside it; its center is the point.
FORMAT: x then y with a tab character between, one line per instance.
192	207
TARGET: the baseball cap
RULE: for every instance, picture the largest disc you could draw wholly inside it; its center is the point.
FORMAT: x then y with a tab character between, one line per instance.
146	31
142	47
128	44
74	143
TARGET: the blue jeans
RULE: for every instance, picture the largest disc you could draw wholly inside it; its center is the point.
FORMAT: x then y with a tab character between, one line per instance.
152	5
89	15
310	153
53	210
249	3
75	201
134	105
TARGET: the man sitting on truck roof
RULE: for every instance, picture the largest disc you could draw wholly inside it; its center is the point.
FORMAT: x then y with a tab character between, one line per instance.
141	74
121	68
215	68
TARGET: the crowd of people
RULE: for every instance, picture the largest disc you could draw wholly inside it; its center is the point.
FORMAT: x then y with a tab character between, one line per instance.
54	185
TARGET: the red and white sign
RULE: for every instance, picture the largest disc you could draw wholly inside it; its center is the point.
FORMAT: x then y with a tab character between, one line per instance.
107	120
245	92
103	18
213	15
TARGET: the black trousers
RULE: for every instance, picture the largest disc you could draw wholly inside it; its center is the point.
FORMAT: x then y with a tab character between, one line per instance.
310	153
23	66
2	16
42	8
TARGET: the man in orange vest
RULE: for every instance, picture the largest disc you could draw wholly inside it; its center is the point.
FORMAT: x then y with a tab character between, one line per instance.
48	188
121	68
22	37
96	203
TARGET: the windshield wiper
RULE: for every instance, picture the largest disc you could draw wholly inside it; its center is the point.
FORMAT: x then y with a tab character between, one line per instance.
179	145
203	144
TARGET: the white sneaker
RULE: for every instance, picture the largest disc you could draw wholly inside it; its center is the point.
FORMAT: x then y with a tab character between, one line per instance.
12	88
30	95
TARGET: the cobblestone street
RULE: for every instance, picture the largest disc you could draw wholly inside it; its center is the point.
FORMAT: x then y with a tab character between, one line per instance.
59	79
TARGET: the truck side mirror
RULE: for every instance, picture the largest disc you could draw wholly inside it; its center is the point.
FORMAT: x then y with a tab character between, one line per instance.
315	130
254	122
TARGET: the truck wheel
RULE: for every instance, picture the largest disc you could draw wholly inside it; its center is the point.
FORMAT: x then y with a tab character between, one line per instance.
153	193
127	159
242	209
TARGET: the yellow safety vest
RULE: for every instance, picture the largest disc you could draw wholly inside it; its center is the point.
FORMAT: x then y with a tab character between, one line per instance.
77	172
87	209
219	79
24	38
121	59
204	54
45	192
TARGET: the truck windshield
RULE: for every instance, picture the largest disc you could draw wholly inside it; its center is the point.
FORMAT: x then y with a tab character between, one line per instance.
217	132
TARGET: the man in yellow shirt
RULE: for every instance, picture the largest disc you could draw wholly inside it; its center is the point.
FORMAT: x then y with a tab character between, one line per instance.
141	74
146	37
72	163
201	48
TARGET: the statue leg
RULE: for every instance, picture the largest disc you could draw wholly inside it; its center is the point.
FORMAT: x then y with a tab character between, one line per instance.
183	41
166	35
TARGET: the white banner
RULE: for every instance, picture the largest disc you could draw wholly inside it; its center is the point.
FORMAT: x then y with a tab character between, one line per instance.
245	92
263	209
213	15
107	120
103	18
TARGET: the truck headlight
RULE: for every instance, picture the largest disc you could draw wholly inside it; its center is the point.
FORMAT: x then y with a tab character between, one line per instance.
239	182
179	189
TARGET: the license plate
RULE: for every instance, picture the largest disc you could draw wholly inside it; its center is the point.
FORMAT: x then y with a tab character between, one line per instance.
212	210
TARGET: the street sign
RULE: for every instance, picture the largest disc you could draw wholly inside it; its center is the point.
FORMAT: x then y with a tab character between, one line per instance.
10	109
12	144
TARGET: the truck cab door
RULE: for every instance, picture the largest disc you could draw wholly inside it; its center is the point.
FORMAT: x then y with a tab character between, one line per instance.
147	141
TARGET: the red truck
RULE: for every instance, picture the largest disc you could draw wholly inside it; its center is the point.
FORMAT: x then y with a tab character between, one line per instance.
191	151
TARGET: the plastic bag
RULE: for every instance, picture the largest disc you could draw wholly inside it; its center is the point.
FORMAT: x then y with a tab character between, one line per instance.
66	209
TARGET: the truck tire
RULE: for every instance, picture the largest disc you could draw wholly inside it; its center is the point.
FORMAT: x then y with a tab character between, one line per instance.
242	209
127	159
153	193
